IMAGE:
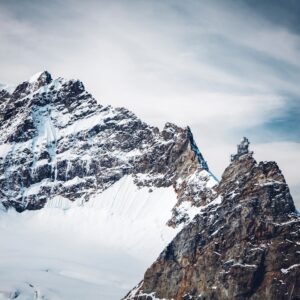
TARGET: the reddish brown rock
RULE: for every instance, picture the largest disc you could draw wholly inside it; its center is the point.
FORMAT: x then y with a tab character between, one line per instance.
245	247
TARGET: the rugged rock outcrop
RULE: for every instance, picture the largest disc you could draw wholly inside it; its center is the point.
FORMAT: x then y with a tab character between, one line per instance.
57	140
245	244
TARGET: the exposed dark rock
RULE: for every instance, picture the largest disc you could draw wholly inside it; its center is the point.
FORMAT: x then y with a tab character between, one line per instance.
245	244
57	140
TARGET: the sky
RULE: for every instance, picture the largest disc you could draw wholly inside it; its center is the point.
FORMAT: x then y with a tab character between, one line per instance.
227	68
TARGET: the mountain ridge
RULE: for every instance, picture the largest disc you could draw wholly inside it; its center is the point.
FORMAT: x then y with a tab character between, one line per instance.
244	246
56	129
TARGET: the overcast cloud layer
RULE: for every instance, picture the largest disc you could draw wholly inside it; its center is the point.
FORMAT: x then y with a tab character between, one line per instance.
225	68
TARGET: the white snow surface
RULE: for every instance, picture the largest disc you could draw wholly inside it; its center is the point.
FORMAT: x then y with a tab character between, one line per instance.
94	250
285	271
35	77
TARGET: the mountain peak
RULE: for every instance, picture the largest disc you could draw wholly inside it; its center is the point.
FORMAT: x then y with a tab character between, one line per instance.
242	245
39	79
32	85
62	133
42	77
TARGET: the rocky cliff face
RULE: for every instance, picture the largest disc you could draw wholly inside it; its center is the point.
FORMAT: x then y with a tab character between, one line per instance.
245	244
56	140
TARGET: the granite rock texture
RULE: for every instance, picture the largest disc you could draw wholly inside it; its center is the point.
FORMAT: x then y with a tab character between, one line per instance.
245	244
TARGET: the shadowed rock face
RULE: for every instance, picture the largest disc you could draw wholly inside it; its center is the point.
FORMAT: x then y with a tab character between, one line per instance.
56	140
244	245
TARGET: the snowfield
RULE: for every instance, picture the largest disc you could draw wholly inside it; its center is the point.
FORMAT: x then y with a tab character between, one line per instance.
95	250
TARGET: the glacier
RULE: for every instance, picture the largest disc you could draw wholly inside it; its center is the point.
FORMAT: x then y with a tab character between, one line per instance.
93	250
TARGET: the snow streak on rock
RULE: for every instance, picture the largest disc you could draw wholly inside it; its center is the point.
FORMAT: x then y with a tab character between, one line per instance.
57	141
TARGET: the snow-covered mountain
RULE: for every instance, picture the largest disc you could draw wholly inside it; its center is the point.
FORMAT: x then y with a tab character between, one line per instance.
89	194
57	141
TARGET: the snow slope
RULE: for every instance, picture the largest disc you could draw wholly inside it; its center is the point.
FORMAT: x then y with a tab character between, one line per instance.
95	250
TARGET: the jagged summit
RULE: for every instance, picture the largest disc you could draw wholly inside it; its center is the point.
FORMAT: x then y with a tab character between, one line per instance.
43	77
244	244
56	140
29	86
39	80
